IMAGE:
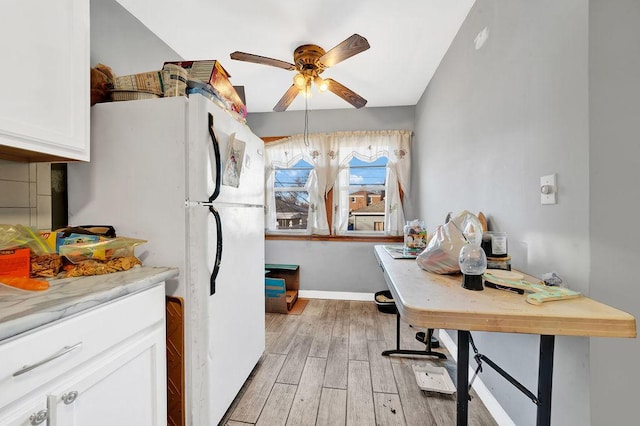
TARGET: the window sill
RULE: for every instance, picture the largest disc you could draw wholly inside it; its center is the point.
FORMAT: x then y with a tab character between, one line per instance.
336	238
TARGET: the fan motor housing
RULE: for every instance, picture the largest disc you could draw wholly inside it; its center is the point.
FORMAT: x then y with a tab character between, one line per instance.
307	58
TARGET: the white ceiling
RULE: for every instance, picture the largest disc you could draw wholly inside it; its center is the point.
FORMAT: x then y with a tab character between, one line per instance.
408	40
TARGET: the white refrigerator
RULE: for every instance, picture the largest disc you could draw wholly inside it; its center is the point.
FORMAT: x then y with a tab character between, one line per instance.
184	175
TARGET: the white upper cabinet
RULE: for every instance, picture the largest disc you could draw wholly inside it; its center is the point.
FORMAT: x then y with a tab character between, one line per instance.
45	80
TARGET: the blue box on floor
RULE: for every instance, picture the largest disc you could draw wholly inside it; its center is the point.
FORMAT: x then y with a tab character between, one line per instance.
290	275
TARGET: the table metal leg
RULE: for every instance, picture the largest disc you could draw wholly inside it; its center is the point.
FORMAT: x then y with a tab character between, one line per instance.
545	378
398	351
462	391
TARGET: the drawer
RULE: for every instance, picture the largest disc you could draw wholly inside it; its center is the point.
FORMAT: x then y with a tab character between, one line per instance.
76	340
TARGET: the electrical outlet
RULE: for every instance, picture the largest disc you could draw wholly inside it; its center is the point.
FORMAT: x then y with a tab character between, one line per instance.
548	189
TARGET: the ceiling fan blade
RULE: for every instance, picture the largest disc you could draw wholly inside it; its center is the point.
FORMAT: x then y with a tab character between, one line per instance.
351	46
257	59
345	93
286	99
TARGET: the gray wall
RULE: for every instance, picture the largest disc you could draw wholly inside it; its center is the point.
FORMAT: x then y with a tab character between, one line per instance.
491	122
121	41
614	100
289	123
326	265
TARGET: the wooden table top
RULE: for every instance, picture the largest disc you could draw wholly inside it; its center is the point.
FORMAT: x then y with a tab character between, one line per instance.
439	301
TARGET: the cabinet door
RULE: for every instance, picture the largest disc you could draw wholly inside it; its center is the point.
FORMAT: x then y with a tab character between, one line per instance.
126	388
44	103
32	412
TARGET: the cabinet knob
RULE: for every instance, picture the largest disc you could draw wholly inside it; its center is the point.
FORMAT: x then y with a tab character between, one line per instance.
69	397
39	417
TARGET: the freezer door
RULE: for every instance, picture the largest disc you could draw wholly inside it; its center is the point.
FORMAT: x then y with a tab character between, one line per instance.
239	167
228	327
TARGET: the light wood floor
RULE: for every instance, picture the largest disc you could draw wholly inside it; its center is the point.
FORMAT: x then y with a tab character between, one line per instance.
324	368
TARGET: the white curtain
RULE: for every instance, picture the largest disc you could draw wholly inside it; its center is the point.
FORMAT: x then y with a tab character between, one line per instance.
283	154
330	153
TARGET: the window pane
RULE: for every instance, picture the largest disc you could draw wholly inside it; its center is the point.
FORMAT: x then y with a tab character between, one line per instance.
292	201
367	183
292	209
296	176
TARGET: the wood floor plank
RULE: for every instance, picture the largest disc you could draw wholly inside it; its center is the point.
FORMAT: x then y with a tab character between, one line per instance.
337	363
358	338
414	402
360	410
277	408
341	324
234	423
388	409
343	305
251	403
382	379
310	317
287	333
357	331
373	332
333	407
270	338
330	305
296	359
387	325
304	409
322	337
274	322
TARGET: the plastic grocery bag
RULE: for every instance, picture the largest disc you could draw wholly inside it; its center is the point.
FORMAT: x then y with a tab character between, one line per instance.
441	254
14	236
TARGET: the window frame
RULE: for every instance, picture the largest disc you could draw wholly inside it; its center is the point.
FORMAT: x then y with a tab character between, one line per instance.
305	235
303	188
368	189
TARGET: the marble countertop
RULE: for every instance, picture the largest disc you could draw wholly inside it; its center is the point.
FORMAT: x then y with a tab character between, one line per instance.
22	310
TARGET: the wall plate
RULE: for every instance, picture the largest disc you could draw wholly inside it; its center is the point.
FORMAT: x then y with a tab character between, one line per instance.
548	189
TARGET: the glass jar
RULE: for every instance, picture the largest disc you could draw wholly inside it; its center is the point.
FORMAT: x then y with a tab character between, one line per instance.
473	263
495	244
415	237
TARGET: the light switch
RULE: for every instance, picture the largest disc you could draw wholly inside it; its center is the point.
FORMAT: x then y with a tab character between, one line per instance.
548	189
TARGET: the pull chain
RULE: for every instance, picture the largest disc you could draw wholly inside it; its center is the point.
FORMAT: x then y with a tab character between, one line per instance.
306	117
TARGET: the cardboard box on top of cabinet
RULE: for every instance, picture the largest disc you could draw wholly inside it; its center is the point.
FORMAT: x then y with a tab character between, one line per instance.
146	82
212	72
15	262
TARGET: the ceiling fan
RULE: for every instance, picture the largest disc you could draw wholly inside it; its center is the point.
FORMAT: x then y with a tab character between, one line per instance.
310	61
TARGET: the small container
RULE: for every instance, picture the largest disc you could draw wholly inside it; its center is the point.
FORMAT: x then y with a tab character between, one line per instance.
415	237
384	301
495	244
473	263
503	263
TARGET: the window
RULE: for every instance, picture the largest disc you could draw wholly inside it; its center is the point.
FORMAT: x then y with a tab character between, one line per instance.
292	196
337	183
367	183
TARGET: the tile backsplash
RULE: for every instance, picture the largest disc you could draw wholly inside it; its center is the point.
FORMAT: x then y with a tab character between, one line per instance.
25	194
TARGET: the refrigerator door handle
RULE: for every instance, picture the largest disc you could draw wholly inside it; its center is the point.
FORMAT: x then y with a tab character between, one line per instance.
216	149
216	265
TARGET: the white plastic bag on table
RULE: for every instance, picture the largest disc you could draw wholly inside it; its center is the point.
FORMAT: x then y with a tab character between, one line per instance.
441	254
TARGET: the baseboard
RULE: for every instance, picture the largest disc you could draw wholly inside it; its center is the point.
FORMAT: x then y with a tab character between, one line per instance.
335	295
494	407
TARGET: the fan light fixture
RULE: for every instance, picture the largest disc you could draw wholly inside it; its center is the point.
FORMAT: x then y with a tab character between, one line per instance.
321	84
300	81
310	60
303	83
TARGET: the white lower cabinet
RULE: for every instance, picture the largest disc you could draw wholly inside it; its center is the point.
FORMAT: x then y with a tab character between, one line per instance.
119	390
34	412
124	384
